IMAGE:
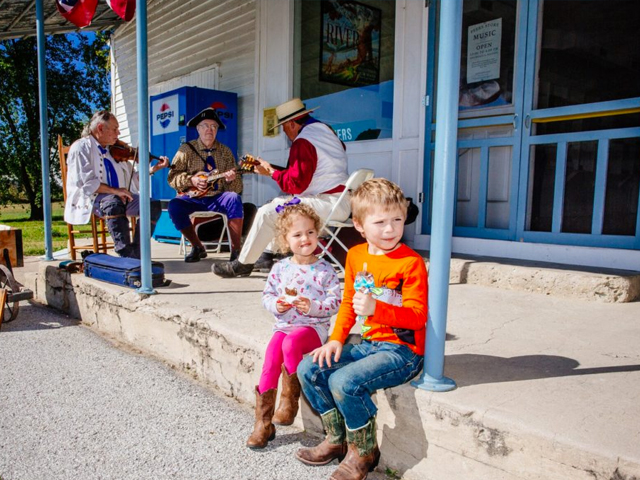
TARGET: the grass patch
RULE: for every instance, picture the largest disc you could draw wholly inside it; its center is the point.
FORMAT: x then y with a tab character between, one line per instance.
17	216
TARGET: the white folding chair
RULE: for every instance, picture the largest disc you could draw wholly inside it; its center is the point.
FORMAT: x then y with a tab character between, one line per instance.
331	227
198	219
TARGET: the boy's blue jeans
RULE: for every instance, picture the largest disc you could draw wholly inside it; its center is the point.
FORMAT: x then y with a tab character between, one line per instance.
349	383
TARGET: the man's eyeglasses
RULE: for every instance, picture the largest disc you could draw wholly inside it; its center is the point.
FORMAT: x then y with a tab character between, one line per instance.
206	126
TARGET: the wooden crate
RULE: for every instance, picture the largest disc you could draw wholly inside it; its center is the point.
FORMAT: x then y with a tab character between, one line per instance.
11	239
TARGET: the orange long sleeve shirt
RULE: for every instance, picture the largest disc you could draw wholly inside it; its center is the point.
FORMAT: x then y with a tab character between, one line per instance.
401	286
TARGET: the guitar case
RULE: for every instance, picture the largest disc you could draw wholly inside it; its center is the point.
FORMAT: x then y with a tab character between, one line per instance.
122	271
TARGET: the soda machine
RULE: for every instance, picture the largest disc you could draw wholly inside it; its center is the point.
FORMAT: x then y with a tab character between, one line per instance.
170	112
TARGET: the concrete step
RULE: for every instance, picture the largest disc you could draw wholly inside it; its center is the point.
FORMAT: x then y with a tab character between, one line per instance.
602	285
546	390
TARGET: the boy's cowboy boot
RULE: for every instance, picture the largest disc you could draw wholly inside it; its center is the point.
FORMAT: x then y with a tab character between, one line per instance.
289	399
332	447
362	454
263	430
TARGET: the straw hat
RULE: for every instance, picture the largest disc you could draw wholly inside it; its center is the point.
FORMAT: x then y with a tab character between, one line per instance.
290	111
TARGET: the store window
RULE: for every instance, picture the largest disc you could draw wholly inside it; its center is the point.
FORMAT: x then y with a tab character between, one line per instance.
589	53
488	56
487	60
343	63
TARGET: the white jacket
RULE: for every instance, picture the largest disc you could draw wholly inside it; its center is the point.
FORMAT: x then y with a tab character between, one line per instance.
85	173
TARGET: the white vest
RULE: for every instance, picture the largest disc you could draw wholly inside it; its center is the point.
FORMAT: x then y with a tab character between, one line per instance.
331	170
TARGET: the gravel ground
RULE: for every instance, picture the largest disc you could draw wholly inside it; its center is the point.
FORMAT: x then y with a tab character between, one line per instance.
74	406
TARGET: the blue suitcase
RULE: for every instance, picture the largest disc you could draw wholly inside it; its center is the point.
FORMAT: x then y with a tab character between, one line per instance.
121	271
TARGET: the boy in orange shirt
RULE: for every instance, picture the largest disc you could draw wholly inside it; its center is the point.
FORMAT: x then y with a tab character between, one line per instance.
338	379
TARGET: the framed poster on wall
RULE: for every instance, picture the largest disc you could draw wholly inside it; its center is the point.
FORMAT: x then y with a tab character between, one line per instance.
350	43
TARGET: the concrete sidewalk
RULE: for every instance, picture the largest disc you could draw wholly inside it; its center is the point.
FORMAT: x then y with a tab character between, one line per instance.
75	406
548	387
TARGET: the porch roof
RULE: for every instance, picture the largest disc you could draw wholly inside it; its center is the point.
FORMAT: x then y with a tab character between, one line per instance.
18	19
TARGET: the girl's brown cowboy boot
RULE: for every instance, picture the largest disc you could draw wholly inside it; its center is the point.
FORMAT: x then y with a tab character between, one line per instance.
263	430
289	399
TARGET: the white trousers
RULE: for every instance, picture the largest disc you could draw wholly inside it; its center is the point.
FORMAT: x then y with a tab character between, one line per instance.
263	230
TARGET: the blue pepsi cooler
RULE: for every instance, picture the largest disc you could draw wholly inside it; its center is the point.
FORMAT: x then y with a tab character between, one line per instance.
170	112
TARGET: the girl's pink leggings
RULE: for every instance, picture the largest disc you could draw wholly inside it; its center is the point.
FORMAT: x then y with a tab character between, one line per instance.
288	349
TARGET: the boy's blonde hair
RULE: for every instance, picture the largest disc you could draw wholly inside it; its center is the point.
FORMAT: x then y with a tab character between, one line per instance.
377	192
285	220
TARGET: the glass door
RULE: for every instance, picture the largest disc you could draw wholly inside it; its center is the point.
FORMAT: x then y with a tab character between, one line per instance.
580	179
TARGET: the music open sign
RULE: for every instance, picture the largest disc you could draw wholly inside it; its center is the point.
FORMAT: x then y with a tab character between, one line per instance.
483	51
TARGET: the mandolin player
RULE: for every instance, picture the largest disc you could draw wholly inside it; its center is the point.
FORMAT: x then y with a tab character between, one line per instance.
98	183
191	165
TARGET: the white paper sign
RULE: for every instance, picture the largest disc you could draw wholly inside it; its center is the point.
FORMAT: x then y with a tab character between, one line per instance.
164	115
483	51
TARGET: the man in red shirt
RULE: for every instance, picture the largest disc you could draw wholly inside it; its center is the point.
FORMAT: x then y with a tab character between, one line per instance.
315	173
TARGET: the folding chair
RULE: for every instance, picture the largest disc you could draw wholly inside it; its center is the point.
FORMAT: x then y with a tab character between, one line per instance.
331	227
201	218
98	227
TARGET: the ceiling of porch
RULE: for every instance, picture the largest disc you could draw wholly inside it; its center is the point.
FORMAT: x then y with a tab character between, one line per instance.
18	19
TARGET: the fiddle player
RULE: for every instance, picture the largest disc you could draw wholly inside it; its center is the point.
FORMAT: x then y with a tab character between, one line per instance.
97	183
189	168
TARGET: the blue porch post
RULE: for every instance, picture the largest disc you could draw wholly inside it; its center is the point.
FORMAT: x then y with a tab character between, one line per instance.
443	196
143	150
44	131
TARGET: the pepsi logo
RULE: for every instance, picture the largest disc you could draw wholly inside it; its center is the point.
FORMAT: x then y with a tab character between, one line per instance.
221	110
165	115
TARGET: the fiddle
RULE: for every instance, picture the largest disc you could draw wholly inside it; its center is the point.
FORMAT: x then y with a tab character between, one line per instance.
123	152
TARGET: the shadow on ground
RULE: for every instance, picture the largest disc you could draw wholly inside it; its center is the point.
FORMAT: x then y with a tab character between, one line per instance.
472	369
28	320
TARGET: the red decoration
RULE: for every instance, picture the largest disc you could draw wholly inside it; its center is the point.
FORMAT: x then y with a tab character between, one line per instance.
125	9
79	12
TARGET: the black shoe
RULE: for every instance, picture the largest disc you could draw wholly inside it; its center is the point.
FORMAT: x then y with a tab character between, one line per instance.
129	251
265	262
232	269
234	255
196	254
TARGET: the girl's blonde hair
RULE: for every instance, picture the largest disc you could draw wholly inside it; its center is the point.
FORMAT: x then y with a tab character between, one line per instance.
285	220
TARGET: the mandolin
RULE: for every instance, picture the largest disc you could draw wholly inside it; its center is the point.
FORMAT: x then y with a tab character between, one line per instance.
246	165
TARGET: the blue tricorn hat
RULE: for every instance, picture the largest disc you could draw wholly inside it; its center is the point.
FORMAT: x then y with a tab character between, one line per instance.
206	114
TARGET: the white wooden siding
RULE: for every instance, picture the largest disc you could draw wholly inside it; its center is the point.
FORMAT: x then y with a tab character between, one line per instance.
186	37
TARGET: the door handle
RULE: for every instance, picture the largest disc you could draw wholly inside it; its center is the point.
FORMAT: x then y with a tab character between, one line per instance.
527	121
515	122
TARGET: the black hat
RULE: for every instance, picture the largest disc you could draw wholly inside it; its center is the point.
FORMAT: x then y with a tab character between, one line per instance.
206	114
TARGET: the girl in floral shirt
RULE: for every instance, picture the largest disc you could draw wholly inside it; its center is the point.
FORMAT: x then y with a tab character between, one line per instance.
303	293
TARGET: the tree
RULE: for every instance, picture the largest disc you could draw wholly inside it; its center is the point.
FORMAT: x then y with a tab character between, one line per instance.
77	84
